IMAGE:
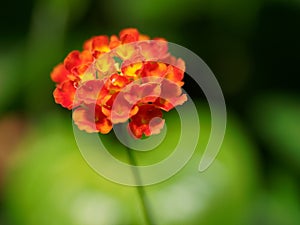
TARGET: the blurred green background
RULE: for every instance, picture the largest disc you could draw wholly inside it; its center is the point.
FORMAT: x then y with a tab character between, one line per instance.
253	49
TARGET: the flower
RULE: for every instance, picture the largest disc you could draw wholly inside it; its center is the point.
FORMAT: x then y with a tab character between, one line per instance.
120	78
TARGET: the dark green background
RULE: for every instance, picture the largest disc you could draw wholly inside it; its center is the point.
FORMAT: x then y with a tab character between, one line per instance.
251	46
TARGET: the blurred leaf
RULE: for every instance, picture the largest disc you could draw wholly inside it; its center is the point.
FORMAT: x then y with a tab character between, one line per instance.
276	117
219	195
171	13
45	48
50	183
10	67
279	204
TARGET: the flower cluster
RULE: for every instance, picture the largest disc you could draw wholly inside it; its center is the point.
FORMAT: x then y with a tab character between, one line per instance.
120	78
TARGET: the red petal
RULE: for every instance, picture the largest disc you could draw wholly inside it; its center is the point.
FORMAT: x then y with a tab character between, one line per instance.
168	104
156	69
147	121
116	82
72	60
77	62
64	94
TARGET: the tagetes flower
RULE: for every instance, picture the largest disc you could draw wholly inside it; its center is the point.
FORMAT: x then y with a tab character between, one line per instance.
120	78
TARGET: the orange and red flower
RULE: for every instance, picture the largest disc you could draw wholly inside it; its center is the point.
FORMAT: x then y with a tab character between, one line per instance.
120	78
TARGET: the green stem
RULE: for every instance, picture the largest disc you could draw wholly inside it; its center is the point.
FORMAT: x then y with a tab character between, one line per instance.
140	189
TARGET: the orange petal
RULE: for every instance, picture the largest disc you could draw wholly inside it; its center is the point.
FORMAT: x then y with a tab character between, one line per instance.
170	89
105	66
174	74
147	92
121	109
126	52
116	82
129	35
114	42
91	119
88	44
143	37
133	70
59	73
168	104
154	50
90	91
77	62
72	60
156	69
100	44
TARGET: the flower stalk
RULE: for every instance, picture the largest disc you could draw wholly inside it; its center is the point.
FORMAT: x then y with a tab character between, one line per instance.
140	189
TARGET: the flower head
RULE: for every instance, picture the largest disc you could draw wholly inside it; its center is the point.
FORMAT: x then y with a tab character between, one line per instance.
120	78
